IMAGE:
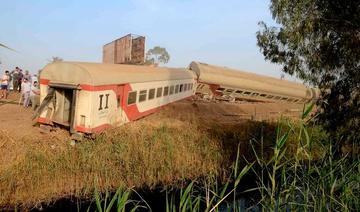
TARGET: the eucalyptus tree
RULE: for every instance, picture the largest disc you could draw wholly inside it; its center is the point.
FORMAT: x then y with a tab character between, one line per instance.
319	42
157	55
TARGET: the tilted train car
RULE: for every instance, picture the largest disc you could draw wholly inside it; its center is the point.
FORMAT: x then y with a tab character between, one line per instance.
228	84
89	97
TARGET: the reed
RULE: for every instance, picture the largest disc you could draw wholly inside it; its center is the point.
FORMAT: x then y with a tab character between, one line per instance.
292	179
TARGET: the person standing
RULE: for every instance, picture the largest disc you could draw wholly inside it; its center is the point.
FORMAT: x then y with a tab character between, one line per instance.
25	92
27	76
4	84
15	76
34	95
20	79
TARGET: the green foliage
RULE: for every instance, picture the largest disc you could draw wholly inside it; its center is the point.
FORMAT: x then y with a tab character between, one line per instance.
157	55
289	180
318	41
192	199
297	182
119	201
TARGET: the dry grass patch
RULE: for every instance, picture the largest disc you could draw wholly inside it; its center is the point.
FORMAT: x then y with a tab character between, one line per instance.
133	155
163	149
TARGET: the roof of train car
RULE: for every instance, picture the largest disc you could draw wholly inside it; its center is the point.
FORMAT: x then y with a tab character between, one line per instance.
207	69
103	74
245	80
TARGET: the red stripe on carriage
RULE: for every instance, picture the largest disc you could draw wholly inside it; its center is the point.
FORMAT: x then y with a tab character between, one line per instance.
97	129
99	87
43	120
44	81
132	112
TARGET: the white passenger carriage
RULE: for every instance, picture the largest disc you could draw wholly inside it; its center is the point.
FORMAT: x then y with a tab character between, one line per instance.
89	97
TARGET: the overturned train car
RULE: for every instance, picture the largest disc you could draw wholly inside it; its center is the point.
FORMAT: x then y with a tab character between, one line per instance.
89	97
215	82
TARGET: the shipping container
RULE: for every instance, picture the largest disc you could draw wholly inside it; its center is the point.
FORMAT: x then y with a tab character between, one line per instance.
129	49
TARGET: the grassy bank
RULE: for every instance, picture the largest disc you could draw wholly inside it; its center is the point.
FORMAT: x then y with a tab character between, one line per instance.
166	153
140	154
302	173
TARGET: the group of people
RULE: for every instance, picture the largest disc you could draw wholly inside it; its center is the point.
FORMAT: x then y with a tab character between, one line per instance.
23	83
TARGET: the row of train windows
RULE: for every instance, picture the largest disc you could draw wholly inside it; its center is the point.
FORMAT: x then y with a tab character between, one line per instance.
158	92
254	94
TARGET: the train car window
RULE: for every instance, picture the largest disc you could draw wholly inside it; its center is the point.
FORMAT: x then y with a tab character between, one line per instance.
172	90
230	90
159	92
181	88
220	89
277	97
189	86
166	90
185	87
255	94
142	95
270	96
262	95
152	93
131	98
247	93
296	100
284	98
239	92
177	89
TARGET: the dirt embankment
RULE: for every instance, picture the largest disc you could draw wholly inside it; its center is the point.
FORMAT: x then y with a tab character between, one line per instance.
163	148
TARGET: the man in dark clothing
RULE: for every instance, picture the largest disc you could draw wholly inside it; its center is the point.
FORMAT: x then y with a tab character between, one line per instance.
15	78
20	80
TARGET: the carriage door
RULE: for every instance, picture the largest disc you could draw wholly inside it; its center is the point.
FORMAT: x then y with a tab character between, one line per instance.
65	98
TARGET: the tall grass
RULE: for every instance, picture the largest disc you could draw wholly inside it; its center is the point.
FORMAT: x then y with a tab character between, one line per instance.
298	182
293	178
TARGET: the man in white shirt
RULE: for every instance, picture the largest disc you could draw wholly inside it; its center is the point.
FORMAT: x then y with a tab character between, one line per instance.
34	95
4	84
25	91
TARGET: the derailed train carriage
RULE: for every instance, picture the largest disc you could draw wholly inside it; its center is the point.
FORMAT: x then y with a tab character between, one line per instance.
215	82
89	97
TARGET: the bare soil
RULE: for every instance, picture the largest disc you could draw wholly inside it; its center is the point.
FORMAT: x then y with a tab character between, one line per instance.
17	125
16	120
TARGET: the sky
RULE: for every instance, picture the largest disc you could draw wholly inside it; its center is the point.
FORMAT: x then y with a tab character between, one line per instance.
211	31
